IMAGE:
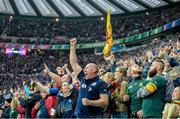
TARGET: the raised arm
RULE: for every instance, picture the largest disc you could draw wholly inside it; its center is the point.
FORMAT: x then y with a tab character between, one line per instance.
53	76
68	72
42	88
73	57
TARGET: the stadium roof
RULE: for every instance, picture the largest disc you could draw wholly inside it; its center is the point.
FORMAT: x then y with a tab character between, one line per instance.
78	8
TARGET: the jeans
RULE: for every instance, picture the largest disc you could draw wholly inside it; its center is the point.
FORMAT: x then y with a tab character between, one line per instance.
116	115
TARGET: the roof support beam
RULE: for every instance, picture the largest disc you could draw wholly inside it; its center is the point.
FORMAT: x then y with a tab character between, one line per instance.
118	5
12	2
142	4
75	7
55	8
34	7
169	2
96	6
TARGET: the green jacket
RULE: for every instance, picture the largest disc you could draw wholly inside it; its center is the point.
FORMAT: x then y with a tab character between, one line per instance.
14	113
153	105
133	87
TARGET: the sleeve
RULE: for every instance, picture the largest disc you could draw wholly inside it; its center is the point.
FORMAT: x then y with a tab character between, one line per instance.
122	92
169	90
81	75
103	88
13	114
53	91
156	83
171	111
175	111
165	111
27	90
113	67
34	112
21	109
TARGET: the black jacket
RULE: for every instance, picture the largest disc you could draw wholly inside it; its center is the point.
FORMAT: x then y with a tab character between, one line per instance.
6	112
29	103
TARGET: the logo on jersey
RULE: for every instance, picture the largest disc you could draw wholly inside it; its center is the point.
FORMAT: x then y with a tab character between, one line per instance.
83	86
90	89
93	84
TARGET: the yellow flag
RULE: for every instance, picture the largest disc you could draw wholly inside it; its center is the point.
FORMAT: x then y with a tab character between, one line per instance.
109	39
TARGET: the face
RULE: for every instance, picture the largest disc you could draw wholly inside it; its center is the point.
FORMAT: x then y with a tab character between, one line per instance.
135	69
59	69
76	83
153	69
17	94
90	70
126	64
106	79
132	62
166	63
118	75
176	93
65	87
101	72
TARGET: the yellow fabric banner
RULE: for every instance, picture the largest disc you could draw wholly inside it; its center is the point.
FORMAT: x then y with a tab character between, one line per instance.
109	38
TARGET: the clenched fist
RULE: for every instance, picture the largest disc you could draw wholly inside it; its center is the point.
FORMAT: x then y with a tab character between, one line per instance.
126	98
73	41
85	101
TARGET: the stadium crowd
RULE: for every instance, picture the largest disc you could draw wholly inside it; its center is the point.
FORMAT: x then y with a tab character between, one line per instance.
140	82
87	31
134	84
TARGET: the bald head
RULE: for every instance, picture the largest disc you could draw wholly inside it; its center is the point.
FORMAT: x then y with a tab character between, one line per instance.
91	70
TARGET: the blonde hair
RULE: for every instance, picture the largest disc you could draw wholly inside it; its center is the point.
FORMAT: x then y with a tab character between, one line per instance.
14	103
109	75
122	70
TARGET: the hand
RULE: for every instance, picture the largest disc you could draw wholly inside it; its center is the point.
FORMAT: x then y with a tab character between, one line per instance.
73	41
46	69
59	70
112	59
149	54
65	66
140	114
85	101
126	98
24	83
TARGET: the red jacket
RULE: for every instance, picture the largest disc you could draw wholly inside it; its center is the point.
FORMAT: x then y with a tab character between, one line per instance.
34	112
50	102
21	110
